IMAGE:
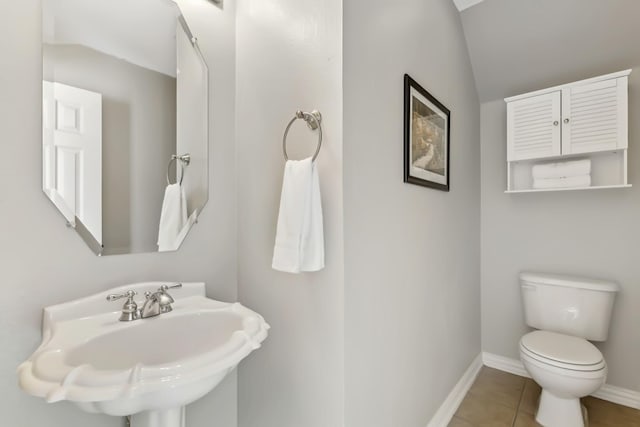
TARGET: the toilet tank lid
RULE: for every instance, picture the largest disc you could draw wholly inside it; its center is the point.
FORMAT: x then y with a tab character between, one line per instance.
570	281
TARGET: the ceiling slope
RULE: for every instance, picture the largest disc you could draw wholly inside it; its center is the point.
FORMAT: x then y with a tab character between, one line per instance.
465	4
517	46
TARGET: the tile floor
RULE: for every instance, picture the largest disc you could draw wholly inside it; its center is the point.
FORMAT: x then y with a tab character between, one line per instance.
500	399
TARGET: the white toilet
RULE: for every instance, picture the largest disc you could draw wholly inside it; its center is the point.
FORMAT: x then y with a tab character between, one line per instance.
567	311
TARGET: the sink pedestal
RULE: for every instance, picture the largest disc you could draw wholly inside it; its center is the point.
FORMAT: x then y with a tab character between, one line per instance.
174	417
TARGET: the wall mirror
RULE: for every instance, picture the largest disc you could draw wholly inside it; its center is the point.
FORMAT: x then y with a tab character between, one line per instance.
125	122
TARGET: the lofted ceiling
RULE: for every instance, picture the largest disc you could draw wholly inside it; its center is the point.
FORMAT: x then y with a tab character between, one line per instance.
517	46
465	4
141	32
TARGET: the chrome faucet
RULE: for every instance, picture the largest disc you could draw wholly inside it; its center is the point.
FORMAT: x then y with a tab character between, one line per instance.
151	306
155	303
158	302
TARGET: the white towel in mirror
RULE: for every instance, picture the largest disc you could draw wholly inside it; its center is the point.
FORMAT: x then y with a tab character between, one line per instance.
173	217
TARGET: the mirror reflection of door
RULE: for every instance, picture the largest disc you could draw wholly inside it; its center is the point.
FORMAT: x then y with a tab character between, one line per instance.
72	153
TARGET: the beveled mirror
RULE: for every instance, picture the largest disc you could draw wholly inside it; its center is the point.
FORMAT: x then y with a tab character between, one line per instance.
125	122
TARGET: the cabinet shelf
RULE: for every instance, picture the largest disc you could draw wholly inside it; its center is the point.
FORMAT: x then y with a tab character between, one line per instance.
546	190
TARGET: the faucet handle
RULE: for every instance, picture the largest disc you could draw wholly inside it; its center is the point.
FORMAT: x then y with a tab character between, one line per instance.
130	308
164	299
163	288
129	294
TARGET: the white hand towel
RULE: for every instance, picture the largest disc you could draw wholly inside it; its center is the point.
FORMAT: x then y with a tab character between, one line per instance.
173	217
299	244
562	169
568	182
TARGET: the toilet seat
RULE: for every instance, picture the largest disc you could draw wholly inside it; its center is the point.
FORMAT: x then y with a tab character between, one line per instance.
562	351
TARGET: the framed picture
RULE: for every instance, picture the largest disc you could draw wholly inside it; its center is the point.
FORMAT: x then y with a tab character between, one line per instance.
426	138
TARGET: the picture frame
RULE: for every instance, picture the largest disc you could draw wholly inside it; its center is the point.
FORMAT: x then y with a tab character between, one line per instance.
427	124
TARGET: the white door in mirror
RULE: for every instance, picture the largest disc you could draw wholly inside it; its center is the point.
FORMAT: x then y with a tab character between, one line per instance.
72	153
148	368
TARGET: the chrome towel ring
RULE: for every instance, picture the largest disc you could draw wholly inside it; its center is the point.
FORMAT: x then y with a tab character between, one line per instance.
185	159
314	121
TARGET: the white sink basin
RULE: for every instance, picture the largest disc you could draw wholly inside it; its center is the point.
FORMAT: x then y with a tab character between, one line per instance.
149	368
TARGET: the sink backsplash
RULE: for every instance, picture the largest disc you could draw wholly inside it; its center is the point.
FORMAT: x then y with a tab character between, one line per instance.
97	303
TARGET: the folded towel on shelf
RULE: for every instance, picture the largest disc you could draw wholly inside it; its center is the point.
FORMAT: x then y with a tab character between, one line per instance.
172	218
567	182
299	244
562	169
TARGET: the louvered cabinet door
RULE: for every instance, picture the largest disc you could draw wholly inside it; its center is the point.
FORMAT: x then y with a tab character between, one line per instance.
594	117
533	127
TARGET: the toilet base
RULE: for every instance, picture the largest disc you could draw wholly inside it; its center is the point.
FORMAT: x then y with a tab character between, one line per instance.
554	411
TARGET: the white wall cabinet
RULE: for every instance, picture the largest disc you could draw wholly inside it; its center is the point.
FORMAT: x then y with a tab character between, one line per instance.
584	119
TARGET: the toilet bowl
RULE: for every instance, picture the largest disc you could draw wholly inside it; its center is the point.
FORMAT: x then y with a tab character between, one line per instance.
566	368
567	312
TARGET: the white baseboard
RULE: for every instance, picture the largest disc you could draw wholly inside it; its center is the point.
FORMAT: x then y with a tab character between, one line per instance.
450	405
506	364
611	393
619	395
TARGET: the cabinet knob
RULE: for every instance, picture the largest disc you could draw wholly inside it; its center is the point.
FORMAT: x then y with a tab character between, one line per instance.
555	123
566	120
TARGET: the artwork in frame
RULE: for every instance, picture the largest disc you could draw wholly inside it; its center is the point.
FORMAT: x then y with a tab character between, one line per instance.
426	138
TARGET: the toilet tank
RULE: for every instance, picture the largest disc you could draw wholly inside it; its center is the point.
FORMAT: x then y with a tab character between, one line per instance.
569	305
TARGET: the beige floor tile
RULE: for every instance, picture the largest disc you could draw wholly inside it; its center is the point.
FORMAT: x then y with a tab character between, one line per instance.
490	403
458	422
484	411
607	414
498	386
525	420
530	395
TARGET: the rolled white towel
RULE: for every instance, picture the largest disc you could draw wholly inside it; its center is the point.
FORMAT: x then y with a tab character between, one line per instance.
568	182
562	169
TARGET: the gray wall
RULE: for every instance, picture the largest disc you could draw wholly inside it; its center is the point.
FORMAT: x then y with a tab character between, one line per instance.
412	261
138	138
289	57
42	262
588	233
516	47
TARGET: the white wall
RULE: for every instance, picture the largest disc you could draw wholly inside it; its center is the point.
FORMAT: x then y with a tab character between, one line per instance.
42	262
412	261
289	57
587	233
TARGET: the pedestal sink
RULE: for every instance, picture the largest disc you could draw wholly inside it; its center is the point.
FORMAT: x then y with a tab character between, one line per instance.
147	368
